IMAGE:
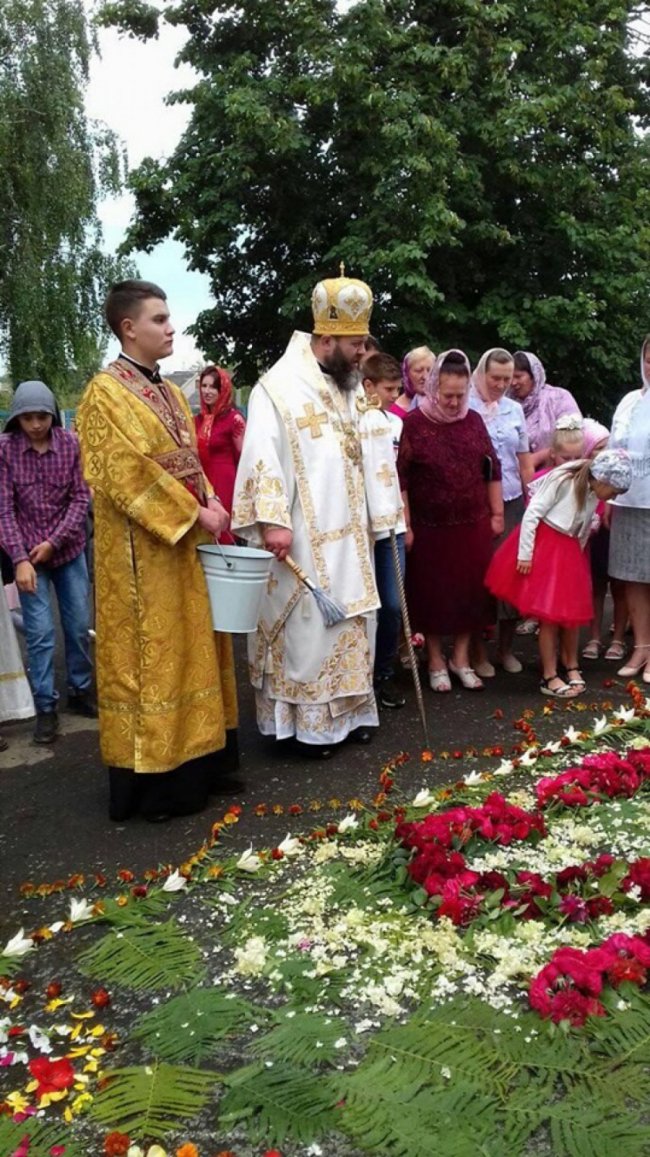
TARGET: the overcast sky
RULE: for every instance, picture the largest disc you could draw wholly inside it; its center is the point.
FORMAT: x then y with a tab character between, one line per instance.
128	84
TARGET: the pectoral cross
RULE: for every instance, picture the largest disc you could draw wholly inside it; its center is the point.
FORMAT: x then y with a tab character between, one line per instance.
271	584
312	420
386	475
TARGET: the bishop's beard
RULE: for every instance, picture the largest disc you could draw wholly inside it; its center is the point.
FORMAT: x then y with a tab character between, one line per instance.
346	377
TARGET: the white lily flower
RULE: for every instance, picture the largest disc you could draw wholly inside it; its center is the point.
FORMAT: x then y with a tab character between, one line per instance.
249	861
19	945
572	735
175	882
506	767
134	1151
156	1151
57	926
80	910
424	798
290	845
473	779
623	714
529	757
553	747
348	824
601	726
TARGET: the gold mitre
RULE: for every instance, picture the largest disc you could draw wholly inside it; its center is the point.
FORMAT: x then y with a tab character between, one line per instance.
342	305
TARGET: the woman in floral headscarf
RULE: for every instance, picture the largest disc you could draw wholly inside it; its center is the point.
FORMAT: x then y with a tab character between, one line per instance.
450	477
416	369
629	549
542	403
220	433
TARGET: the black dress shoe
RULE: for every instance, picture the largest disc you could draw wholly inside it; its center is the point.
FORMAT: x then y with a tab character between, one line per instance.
315	750
229	785
361	735
47	727
157	818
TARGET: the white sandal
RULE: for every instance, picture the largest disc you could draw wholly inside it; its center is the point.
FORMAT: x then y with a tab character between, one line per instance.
467	676
439	680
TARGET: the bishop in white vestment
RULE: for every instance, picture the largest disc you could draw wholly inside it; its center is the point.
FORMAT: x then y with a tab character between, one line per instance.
317	480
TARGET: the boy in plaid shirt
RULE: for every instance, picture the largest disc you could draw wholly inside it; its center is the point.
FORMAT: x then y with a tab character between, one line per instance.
43	505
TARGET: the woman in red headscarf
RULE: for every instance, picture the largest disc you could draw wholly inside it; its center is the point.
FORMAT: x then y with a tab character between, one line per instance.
220	433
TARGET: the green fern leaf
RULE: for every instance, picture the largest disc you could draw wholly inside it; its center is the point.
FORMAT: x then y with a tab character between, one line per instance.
137	912
280	1103
385	1113
42	1137
424	1050
151	1100
625	1036
303	1039
156	956
254	920
190	1026
304	989
583	1131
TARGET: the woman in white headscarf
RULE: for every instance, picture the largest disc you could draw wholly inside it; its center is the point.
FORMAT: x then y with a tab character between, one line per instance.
629	549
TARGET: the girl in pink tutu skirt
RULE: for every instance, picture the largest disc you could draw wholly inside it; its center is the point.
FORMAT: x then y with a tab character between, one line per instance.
542	568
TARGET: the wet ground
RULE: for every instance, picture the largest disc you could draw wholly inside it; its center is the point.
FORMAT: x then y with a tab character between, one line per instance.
53	804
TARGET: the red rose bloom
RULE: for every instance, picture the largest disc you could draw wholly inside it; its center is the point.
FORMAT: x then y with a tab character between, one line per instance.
52	1076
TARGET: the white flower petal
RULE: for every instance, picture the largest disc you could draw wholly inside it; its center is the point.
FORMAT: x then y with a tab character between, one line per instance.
18	946
175	882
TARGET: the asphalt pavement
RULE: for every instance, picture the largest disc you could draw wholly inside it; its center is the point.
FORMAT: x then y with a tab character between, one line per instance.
53	801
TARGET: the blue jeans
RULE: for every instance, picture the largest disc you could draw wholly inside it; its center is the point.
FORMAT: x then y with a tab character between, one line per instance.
72	588
389	616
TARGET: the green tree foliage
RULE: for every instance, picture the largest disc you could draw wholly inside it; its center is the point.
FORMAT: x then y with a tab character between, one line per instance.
54	165
481	164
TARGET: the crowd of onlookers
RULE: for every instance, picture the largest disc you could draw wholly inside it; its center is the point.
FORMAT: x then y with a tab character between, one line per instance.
516	522
483	520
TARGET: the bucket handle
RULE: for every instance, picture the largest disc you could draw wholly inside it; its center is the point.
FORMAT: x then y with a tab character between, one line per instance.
228	561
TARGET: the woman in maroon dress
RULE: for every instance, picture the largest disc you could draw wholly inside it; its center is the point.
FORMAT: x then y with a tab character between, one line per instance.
220	434
451	482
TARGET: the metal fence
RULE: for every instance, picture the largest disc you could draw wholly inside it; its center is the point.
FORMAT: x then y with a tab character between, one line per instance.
67	416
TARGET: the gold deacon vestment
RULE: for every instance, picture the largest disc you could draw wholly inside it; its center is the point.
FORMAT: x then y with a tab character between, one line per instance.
166	684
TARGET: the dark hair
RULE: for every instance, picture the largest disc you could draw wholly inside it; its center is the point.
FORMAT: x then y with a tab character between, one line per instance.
210	372
454	363
125	299
381	368
372	345
522	364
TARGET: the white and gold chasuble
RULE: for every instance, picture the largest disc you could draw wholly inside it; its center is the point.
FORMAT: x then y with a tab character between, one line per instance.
319	462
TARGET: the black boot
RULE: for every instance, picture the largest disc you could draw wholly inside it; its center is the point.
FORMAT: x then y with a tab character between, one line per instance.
82	703
47	727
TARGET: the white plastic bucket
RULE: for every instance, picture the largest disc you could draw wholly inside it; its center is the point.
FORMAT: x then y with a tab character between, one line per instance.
236	578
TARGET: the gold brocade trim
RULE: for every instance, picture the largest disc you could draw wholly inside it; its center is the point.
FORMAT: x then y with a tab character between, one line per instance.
262	499
10	676
160	399
335	535
182	463
385	523
346	670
